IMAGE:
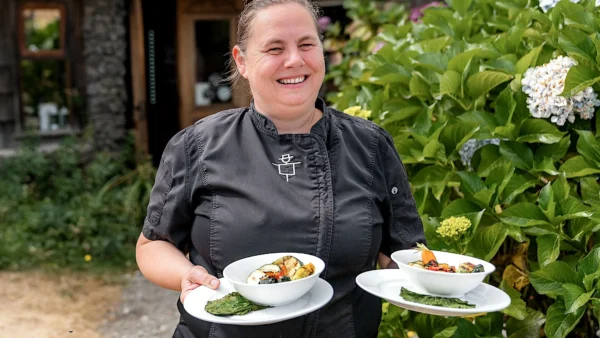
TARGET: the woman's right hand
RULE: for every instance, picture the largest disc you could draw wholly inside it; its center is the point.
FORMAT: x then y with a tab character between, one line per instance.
195	277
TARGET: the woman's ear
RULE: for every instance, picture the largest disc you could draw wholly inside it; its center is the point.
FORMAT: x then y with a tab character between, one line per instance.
240	62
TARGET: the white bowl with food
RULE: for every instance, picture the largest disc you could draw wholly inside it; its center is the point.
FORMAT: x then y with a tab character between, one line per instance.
274	279
442	273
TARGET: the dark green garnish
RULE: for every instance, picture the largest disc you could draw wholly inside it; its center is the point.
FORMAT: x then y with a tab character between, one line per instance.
232	304
434	301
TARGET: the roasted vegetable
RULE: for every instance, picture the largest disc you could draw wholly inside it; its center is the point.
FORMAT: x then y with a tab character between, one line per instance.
434	301
427	255
304	271
265	272
468	267
232	304
289	264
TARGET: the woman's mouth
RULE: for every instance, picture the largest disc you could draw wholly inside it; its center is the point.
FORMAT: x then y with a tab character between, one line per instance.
294	80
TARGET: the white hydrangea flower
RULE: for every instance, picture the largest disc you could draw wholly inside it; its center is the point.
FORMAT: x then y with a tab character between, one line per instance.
545	5
544	84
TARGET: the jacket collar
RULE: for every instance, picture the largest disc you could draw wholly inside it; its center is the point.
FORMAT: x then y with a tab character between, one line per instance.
265	125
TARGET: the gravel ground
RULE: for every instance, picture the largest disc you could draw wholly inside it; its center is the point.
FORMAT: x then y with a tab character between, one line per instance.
145	310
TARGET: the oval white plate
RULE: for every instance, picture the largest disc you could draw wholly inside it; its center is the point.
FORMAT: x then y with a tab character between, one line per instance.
386	284
316	298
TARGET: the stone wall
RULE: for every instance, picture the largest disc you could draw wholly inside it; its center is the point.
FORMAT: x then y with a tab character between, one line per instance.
105	57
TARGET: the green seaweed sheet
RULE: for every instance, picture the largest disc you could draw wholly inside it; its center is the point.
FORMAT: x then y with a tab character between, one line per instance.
434	301
232	304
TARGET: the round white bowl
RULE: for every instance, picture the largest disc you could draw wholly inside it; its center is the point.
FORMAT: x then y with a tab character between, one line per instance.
438	283
277	294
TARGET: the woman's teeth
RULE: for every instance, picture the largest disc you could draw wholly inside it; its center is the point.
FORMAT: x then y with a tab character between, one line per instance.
292	81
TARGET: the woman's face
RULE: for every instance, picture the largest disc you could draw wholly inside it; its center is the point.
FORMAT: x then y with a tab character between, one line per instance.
283	61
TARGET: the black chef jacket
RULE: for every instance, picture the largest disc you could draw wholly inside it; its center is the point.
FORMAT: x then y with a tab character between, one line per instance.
230	187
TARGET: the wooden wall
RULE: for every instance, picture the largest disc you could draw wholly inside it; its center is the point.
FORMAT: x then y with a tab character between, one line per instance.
8	74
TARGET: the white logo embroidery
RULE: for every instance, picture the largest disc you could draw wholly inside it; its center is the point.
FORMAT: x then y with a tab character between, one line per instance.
286	168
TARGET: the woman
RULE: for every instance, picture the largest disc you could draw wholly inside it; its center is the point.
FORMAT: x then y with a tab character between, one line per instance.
285	174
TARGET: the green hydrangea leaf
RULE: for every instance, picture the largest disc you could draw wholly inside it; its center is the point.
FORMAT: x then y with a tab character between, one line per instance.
481	83
527	327
450	83
487	240
575	297
517	153
548	249
555	151
578	166
550	278
528	60
558	324
578	78
590	264
524	215
517	308
539	131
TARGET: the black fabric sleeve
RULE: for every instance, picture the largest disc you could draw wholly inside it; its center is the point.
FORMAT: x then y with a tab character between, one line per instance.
402	226
169	216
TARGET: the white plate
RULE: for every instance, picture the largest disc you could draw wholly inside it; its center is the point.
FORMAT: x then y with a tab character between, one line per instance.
314	299
386	284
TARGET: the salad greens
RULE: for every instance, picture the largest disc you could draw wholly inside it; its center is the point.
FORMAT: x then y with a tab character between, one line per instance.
232	304
434	301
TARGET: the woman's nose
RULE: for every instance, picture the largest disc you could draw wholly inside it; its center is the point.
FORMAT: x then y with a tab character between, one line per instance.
294	58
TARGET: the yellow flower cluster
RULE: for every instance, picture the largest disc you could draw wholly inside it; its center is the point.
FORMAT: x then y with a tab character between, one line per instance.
453	226
357	111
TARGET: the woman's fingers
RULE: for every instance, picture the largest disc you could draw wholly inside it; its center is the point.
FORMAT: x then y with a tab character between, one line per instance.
199	275
195	277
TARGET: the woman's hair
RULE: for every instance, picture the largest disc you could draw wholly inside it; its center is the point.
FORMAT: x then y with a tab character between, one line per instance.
247	17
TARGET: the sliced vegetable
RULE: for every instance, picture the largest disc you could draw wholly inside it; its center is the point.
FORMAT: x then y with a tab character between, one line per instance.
427	255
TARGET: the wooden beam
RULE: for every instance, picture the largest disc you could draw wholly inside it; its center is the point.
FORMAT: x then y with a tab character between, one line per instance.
138	75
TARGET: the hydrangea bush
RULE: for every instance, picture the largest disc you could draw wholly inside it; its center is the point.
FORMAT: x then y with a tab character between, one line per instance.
493	108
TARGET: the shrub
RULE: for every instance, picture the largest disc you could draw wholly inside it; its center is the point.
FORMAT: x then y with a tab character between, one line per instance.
59	210
528	184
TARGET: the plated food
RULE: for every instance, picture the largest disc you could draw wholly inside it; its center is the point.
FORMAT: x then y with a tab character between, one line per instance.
441	273
274	279
429	262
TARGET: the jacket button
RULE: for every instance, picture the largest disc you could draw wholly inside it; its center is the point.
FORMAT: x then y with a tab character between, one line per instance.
394	190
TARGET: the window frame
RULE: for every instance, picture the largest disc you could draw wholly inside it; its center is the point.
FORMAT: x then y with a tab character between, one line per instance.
62	55
188	12
24	52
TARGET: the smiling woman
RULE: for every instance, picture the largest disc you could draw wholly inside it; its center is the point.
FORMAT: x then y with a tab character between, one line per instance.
283	62
286	174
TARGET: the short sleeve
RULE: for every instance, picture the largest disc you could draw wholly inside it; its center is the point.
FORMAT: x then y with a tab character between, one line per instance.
169	216
402	226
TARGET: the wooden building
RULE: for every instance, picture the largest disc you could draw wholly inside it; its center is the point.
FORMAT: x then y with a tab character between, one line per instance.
154	67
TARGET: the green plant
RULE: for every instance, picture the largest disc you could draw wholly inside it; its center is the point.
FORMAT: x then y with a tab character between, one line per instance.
55	209
529	186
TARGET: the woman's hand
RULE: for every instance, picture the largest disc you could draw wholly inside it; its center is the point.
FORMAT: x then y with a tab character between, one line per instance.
195	277
385	262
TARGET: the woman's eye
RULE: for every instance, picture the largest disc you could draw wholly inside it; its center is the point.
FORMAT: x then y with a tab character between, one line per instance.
306	45
276	49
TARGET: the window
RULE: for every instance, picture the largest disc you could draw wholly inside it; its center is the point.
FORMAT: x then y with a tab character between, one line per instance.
44	69
212	50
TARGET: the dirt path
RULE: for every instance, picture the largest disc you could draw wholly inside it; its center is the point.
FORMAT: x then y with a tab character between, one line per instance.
35	304
40	305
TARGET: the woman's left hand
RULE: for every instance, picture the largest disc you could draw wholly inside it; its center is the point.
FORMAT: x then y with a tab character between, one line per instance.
385	262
